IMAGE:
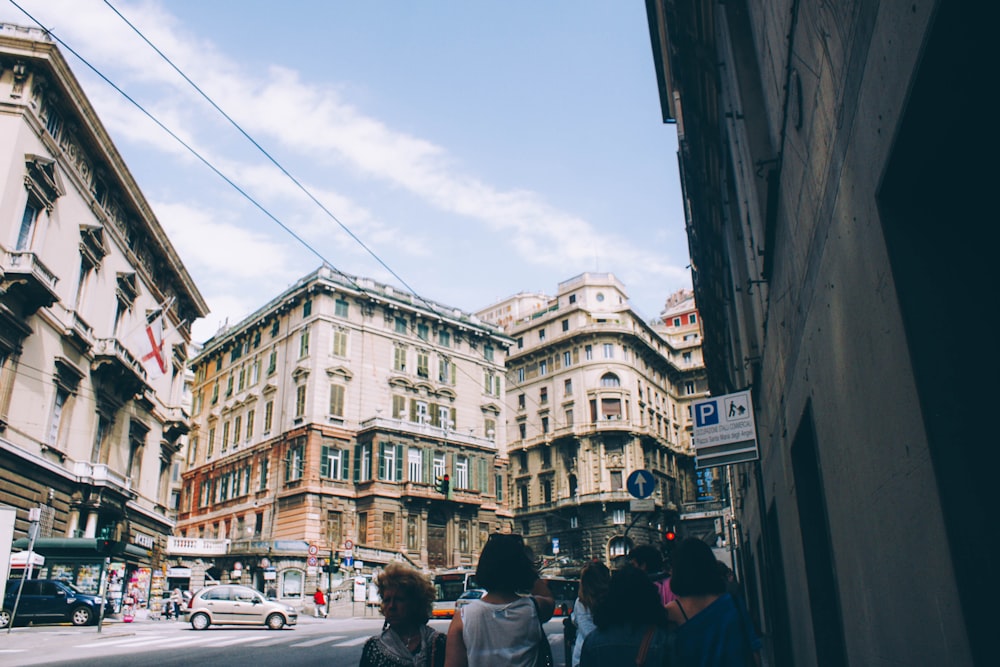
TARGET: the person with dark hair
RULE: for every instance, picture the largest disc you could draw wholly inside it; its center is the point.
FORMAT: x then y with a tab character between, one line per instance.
631	624
503	627
712	630
594	580
648	558
407	598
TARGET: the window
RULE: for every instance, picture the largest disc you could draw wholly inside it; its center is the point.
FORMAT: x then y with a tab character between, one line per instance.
461	472
522	459
237	427
693	318
251	415
307	308
565	325
28	218
543	367
543	395
572	298
211	442
588	352
388	529
420	413
57	410
300	401
400	324
490	427
339	343
522	430
520	401
415	466
229	385
263	472
618	516
520	343
366	462
272	362
688	388
616	480
569	416
541	334
499	486
568	387
686	357
268	415
340	308
677	321
617	547
242	383
304	343
291	584
423	364
390	464
444	339
439	465
492	384
444	417
545	424
362	527
547	491
294	461
488	352
446	371
399	358
337	400
567	359
523	492
423	332
610	380
609	351
333	463
520	375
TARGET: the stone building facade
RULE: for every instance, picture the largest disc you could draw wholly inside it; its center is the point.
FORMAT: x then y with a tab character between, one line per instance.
836	163
91	413
323	426
593	394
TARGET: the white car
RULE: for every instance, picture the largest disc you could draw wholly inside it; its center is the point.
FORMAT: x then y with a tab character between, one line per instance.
237	605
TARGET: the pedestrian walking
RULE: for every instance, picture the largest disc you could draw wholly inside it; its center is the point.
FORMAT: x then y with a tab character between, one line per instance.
407	599
594	580
319	601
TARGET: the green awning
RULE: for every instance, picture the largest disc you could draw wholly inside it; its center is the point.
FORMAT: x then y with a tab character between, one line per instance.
75	547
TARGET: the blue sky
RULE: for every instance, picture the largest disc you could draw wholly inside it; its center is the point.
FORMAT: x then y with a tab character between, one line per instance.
480	149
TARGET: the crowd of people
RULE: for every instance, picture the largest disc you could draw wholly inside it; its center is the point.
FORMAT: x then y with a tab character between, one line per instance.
641	614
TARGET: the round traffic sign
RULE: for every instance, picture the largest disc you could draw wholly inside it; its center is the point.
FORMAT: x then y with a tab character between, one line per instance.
348	544
641	483
311	561
313	549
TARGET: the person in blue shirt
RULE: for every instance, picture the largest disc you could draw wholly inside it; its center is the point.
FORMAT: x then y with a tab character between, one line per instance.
712	630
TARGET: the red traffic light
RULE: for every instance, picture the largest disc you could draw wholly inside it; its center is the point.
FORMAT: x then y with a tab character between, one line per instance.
670	536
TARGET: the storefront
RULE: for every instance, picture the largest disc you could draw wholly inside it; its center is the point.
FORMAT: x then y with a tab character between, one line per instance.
80	561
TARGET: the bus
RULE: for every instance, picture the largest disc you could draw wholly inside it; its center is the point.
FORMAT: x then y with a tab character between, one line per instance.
449	585
564	592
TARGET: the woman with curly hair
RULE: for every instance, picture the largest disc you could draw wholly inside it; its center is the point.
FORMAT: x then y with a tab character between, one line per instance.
504	627
406	640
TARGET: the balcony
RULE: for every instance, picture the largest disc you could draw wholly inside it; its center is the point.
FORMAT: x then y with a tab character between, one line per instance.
115	368
99	474
426	430
22	274
196	546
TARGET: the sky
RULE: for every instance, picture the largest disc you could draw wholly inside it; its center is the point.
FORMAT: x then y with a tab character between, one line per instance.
465	151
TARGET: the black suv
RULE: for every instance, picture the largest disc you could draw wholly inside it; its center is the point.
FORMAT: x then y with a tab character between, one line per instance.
49	601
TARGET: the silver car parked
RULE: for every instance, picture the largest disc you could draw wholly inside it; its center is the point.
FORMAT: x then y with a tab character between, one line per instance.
237	605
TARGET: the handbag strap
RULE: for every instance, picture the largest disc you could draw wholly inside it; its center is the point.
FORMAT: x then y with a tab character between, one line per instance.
647	639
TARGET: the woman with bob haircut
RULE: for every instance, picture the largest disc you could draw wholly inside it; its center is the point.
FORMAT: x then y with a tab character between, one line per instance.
594	580
712	629
631	624
406	640
504	626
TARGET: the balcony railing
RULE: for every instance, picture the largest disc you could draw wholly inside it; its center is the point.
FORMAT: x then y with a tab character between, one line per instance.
99	474
196	546
27	272
416	428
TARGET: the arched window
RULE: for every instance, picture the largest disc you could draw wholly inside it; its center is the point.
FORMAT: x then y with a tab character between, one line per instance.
618	547
610	380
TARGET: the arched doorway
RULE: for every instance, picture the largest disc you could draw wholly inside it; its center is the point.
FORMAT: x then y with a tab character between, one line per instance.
437	539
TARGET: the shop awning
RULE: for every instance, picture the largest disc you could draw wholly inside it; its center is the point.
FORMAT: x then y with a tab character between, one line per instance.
22	558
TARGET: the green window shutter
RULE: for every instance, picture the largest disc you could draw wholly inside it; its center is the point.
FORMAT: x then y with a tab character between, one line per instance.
435	418
428	466
452	368
454	424
381	460
413	410
357	463
345	463
288	464
399	463
324	461
398	407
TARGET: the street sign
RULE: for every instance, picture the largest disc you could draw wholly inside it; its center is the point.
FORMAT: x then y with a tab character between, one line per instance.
641	505
555	546
348	544
348	561
724	431
641	483
313	549
311	561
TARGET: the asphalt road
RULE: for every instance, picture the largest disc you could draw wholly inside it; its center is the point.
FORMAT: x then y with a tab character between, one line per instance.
173	643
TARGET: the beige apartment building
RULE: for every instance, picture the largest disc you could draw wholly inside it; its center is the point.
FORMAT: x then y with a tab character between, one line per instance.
595	393
91	410
323	426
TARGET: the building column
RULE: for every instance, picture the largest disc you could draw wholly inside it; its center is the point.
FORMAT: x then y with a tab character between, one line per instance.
73	525
91	529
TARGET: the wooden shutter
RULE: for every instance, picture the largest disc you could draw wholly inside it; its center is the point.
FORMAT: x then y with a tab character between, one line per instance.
324	461
435	418
399	463
345	463
381	460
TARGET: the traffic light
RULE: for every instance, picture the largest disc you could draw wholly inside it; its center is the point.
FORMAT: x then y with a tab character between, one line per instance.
109	547
444	485
670	537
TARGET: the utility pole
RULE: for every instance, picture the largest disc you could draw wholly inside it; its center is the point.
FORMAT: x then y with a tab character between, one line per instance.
34	516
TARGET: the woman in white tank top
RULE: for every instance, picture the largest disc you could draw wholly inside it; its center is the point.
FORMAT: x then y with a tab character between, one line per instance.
503	627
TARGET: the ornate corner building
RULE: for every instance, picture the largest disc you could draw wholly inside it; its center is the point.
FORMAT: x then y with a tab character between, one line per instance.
323	428
88	428
595	393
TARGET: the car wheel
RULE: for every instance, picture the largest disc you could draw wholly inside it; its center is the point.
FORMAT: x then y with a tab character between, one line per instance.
81	616
275	621
4	618
200	621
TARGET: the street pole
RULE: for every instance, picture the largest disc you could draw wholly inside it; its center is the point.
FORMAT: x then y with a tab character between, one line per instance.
105	567
34	516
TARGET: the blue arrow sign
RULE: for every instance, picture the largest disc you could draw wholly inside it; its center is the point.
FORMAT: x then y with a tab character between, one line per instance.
641	483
